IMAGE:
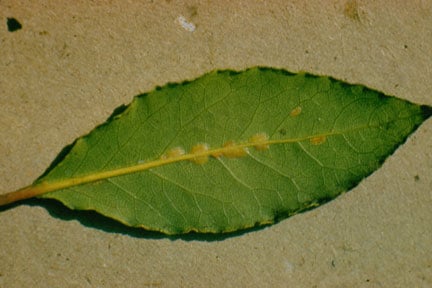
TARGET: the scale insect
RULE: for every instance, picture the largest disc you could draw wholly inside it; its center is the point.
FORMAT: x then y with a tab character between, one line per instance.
318	140
260	140
230	149
296	111
174	153
200	149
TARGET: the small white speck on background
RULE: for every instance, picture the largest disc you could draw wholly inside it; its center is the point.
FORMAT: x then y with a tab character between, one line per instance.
188	26
289	267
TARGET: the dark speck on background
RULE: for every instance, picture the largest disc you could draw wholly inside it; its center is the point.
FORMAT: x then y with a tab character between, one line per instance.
13	24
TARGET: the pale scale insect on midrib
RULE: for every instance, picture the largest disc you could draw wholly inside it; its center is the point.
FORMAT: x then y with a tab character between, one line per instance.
260	140
200	148
173	153
232	150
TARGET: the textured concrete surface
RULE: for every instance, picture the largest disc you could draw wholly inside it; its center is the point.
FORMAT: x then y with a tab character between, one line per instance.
73	62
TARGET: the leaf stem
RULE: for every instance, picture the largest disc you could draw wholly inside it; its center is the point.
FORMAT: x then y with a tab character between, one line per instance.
21	194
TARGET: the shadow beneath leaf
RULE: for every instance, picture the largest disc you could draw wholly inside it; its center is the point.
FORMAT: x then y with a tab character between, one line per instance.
94	220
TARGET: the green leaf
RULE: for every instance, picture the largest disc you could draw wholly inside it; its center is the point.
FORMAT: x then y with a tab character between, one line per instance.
228	151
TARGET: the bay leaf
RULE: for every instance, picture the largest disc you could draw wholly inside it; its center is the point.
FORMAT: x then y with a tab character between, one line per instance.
228	151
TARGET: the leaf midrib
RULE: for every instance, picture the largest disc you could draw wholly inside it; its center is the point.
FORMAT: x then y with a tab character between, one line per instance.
44	187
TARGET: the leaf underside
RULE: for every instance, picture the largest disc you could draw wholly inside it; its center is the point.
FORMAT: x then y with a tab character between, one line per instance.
230	150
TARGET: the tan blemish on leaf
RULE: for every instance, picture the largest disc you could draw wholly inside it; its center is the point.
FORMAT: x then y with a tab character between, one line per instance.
232	150
317	140
260	141
198	149
296	111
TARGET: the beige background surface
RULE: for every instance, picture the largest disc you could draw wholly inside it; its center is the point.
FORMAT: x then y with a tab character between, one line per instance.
72	63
